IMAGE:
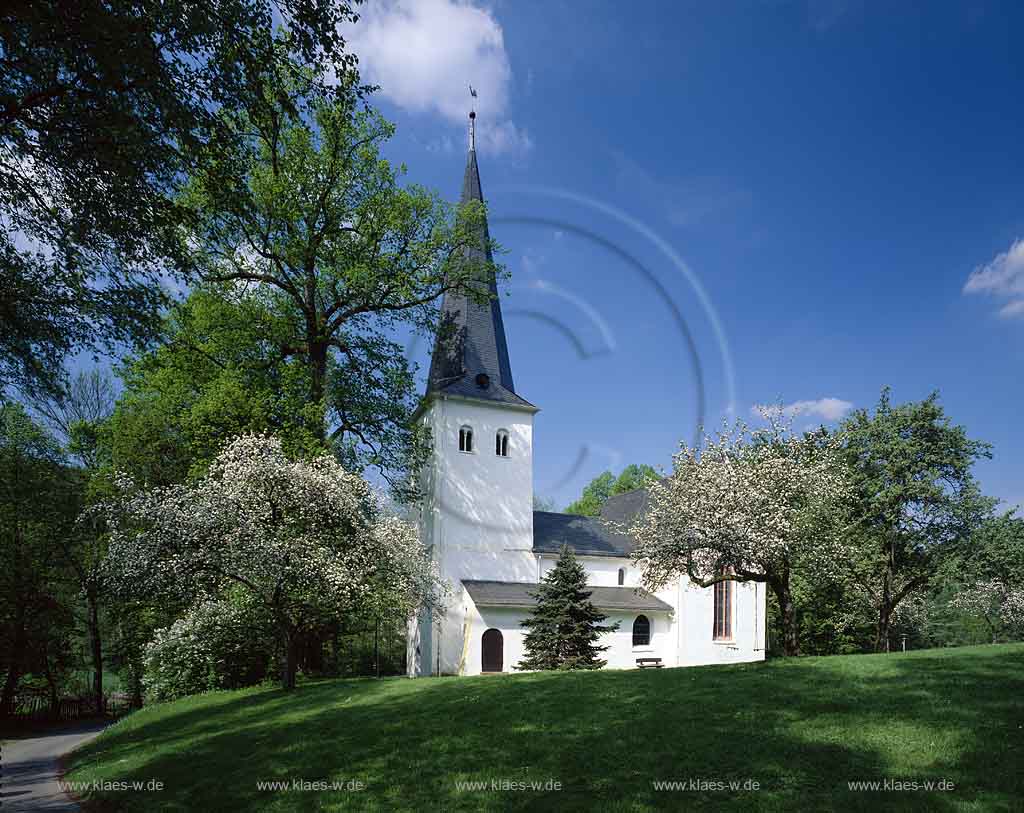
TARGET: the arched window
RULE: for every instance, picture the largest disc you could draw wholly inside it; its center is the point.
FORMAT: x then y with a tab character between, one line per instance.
465	439
501	443
723	610
622	575
641	631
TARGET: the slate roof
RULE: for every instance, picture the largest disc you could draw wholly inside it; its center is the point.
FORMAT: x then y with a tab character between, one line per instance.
471	339
517	594
590	536
587	536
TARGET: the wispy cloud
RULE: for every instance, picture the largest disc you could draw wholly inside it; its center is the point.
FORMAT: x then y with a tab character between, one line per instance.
684	203
1002	277
829	409
424	53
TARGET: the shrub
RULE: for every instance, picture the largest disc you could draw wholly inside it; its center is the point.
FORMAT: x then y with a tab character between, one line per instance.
216	645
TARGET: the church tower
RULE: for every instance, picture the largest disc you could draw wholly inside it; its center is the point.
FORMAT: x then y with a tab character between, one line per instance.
476	517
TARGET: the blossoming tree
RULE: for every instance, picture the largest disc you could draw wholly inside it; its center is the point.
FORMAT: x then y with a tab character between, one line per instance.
998	604
747	505
305	539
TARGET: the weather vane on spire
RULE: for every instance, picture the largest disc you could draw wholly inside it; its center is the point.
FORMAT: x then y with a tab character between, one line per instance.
472	119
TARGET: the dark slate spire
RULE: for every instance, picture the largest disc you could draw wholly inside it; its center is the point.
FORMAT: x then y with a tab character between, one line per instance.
471	353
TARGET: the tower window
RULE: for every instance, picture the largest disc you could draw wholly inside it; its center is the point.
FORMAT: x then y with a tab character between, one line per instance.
641	631
465	439
501	443
622	575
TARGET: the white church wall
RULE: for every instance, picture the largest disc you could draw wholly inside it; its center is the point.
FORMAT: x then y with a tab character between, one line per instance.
621	654
697	645
602	571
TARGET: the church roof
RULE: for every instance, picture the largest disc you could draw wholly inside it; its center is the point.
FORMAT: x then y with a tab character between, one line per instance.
591	536
517	594
471	339
587	536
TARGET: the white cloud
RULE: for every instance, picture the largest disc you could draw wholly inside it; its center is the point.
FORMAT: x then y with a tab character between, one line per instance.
829	409
1003	277
424	54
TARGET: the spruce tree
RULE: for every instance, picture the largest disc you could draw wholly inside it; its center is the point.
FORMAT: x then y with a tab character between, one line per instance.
565	625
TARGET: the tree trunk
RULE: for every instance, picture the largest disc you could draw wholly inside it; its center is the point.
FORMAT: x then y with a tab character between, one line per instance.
51	685
787	610
14	670
318	382
96	649
886	605
290	662
10	686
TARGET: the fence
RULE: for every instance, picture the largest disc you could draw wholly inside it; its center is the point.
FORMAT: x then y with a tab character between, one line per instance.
36	706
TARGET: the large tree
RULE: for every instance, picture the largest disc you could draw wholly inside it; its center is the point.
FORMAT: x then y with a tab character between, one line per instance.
606	484
218	373
303	540
747	505
78	418
39	499
565	626
104	108
915	496
308	217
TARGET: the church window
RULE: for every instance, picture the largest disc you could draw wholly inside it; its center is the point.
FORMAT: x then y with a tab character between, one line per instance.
642	631
723	610
465	439
501	443
622	575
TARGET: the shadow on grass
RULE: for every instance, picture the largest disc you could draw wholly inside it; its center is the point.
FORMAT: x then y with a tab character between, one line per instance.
800	729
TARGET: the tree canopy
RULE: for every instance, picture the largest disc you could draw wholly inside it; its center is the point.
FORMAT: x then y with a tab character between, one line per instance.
104	109
606	485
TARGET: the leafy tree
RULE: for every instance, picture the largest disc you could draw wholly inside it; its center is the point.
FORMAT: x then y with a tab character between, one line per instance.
218	374
78	417
308	216
565	626
39	499
748	506
606	485
911	471
303	541
104	108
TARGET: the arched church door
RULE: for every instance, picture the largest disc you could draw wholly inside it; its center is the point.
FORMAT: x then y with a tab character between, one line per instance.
492	660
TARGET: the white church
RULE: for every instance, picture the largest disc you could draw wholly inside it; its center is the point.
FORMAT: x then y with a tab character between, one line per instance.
477	521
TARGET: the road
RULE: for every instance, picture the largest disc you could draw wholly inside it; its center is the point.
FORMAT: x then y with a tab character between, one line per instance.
30	768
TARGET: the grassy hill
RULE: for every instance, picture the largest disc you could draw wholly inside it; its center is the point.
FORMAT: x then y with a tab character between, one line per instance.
801	729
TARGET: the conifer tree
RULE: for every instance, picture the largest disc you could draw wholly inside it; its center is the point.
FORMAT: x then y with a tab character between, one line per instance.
565	625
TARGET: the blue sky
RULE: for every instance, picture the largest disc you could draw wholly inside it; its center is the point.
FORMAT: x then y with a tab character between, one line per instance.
820	180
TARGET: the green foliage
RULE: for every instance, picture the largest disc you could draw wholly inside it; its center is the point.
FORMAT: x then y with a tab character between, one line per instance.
215	645
305	214
103	108
915	494
565	626
39	500
217	375
607	485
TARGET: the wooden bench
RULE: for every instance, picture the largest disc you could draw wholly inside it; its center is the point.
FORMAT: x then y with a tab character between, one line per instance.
649	663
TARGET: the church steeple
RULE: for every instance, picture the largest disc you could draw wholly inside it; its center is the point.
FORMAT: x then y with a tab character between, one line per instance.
471	352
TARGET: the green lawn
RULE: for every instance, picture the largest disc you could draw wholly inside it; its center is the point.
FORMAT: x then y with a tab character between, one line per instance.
800	728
